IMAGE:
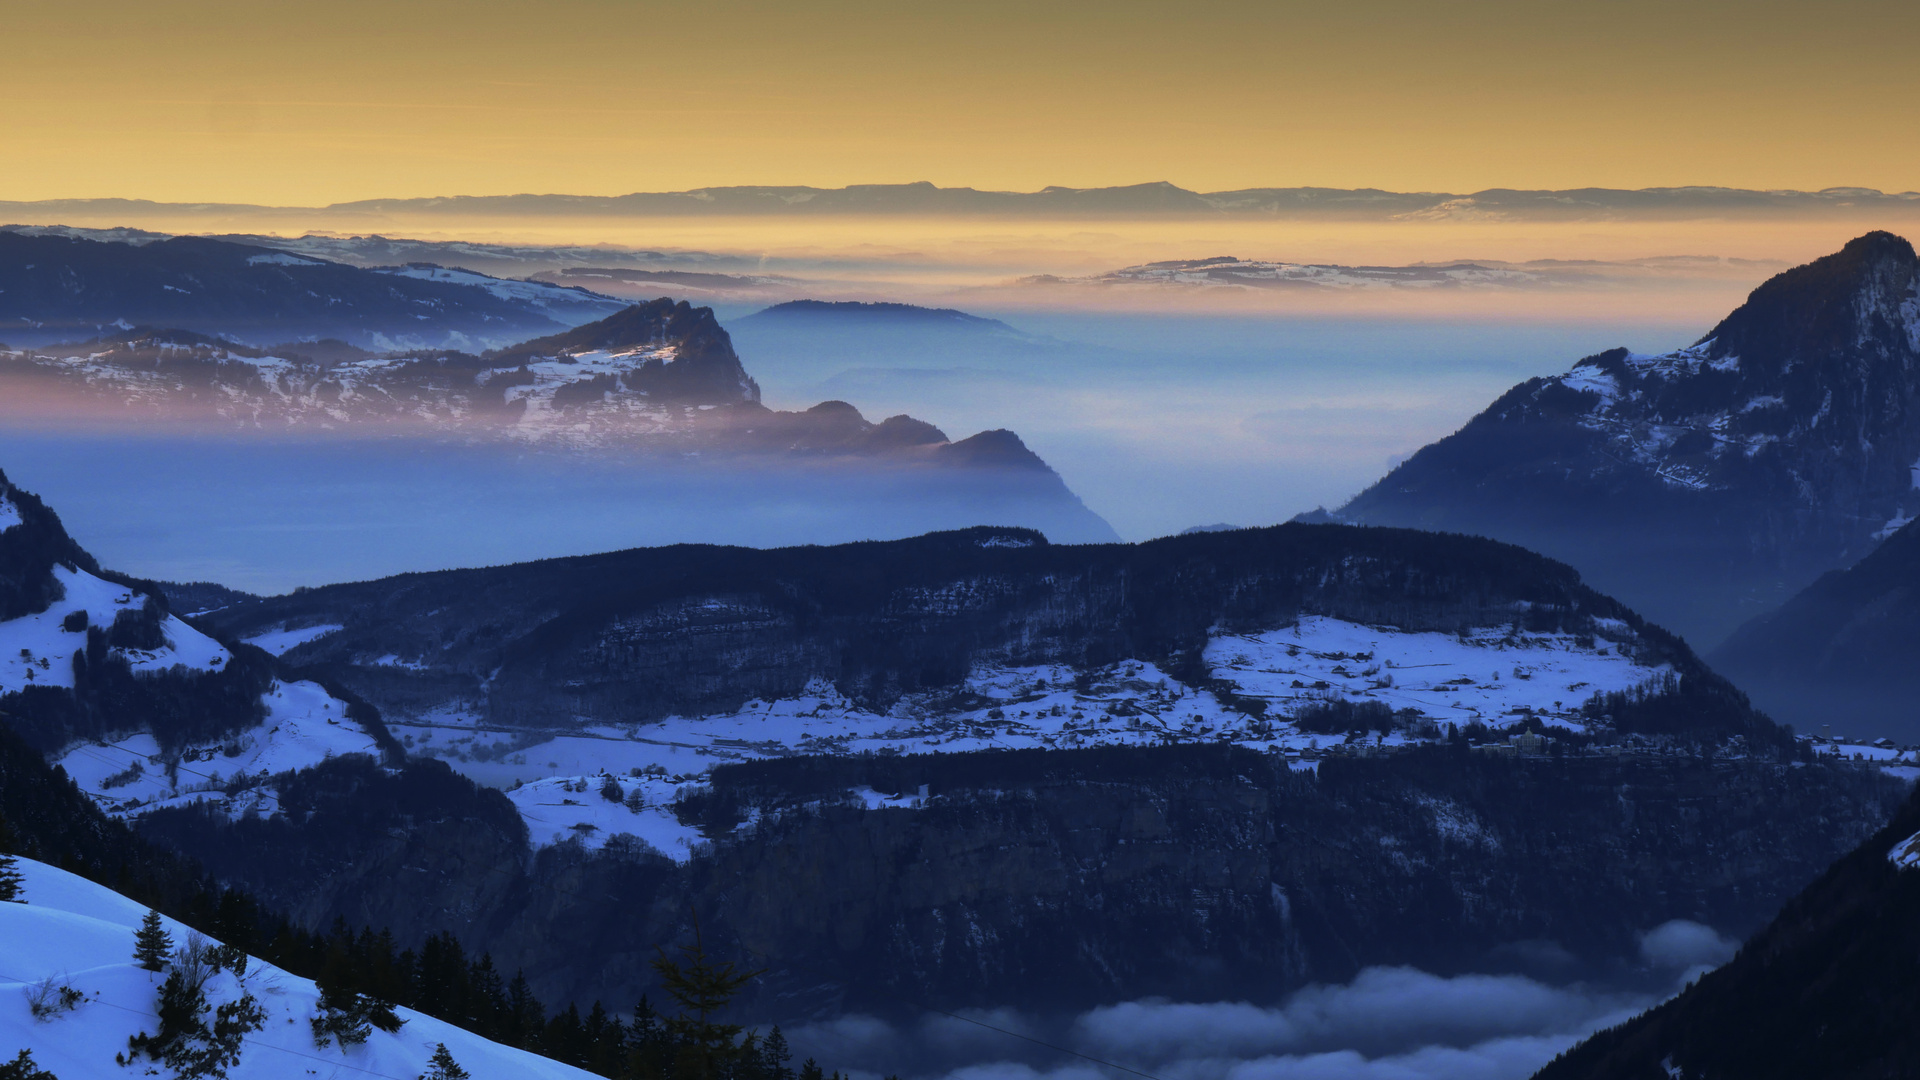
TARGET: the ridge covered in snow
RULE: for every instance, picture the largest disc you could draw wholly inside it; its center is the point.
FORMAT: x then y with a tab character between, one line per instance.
73	934
1502	679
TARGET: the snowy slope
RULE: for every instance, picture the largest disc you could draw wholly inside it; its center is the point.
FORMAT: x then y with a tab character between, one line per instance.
277	641
37	650
1494	677
304	724
304	727
81	934
564	304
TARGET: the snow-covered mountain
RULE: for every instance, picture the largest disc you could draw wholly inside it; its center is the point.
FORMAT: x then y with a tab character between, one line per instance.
1229	272
140	707
57	287
72	995
1707	483
653	666
655	376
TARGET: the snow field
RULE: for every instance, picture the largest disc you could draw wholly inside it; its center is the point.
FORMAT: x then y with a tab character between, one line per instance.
538	293
1490	676
558	808
81	934
304	726
280	641
37	650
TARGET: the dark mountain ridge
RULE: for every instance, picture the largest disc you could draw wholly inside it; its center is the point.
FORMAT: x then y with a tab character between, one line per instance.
863	314
1845	651
57	288
1038	879
1827	989
703	369
1148	199
638	635
1709	483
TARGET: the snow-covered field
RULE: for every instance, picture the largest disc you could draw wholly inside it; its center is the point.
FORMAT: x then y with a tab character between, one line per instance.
37	650
1490	676
1499	679
304	726
79	934
278	641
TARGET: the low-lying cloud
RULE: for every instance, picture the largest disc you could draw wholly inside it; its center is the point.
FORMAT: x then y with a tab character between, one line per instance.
1389	1023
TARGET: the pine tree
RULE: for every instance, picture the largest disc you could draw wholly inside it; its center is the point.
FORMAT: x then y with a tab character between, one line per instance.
23	1068
151	943
443	1067
10	879
702	988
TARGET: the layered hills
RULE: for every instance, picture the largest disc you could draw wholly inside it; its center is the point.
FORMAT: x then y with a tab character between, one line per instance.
1249	756
64	288
659	376
1160	199
1709	483
976	768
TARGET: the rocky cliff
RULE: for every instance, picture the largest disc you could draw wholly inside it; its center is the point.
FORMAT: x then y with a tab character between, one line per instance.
1709	483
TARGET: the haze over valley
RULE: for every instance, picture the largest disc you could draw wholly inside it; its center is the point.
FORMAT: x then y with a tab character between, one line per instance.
1050	541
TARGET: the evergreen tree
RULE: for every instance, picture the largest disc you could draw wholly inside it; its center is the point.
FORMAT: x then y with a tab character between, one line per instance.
10	879
443	1067
23	1068
774	1056
151	943
703	987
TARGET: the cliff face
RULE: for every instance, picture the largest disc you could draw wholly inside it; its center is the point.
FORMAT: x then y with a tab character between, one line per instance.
1705	484
1057	880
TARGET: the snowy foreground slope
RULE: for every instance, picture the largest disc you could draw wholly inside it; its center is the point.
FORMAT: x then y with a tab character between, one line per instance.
77	933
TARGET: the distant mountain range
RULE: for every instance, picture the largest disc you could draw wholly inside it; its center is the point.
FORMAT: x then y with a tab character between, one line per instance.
1136	200
856	314
1228	273
62	288
1707	484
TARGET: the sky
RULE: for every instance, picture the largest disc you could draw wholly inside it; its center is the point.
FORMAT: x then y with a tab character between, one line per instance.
306	103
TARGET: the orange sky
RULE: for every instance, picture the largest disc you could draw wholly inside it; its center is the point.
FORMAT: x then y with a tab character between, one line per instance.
301	103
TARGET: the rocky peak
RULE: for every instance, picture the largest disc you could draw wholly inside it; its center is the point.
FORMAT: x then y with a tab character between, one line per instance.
1862	300
702	369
